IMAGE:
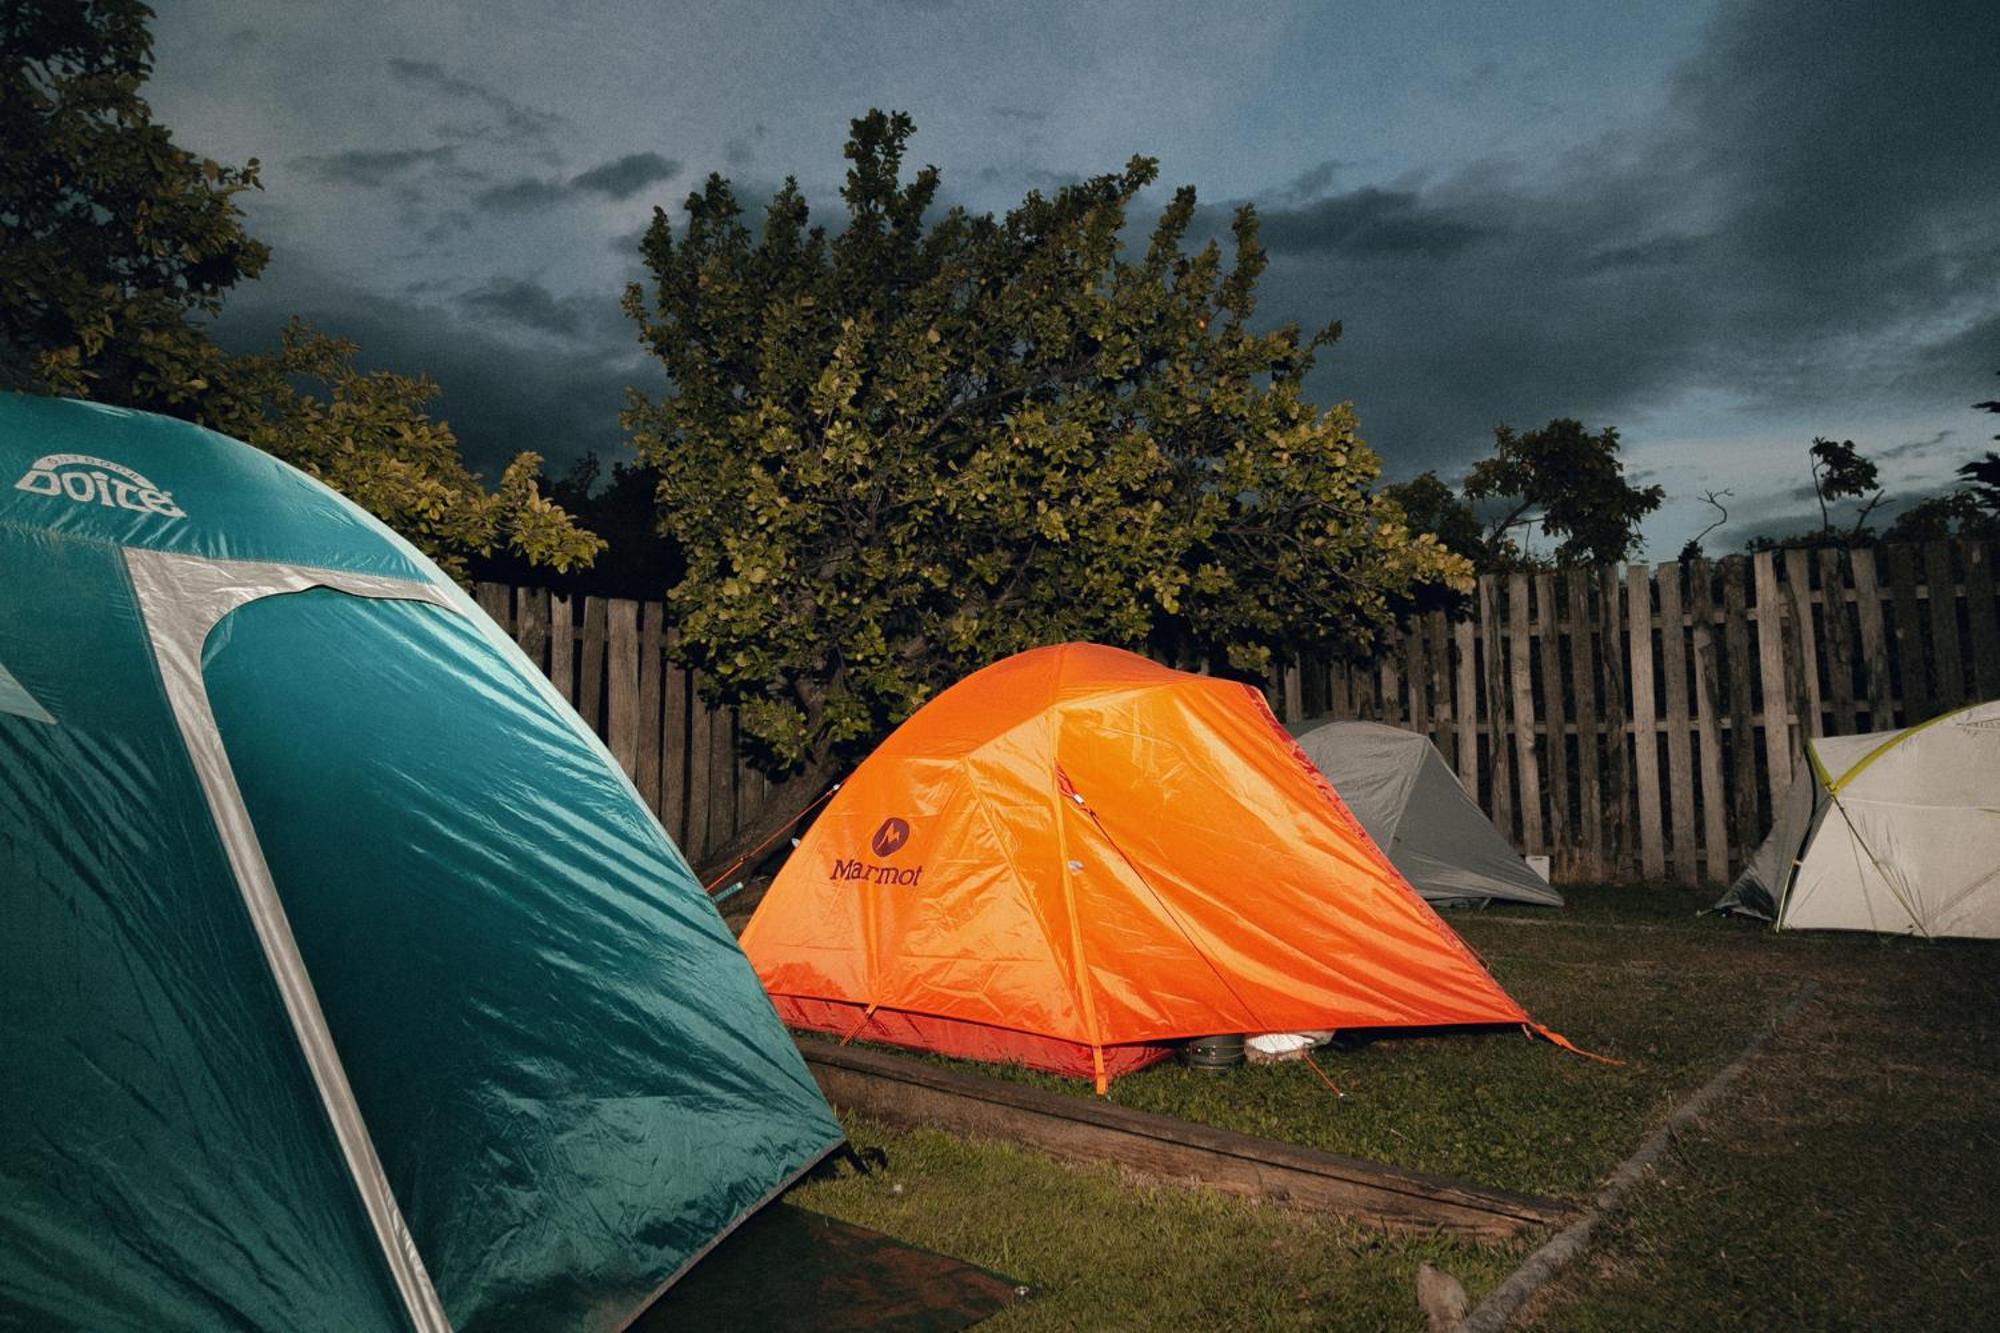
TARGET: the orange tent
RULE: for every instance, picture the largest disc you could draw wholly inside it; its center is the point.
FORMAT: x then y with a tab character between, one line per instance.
1076	856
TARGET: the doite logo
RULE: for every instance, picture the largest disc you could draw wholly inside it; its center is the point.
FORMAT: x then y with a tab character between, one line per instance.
888	840
84	480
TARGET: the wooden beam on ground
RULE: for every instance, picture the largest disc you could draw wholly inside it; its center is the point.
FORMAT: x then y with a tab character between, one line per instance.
901	1091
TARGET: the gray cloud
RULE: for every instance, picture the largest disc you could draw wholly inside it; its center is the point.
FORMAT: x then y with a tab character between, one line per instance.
561	401
623	177
531	306
525	194
1909	447
371	167
513	119
1806	230
1367	222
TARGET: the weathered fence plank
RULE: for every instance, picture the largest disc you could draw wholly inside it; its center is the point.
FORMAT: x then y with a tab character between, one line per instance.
1619	858
1500	805
1710	703
1798	587
652	643
1836	621
1555	745
1742	764
1911	669
1526	766
1680	744
1468	706
674	745
1771	675
562	647
531	627
1982	623
621	723
1590	846
590	688
1874	640
1948	678
1645	720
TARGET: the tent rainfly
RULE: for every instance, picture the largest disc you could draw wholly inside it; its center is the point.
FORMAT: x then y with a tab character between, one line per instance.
1411	803
1896	832
345	982
1075	857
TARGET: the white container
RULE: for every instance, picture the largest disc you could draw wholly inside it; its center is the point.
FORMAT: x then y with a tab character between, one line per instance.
1540	865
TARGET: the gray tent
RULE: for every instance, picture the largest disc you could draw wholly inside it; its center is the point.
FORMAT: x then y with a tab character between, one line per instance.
1411	804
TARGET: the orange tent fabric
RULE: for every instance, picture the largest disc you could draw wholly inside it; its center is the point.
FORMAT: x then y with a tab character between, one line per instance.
1076	856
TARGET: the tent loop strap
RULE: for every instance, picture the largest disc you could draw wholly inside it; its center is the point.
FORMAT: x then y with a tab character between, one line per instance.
1313	1065
1554	1038
776	834
867	1017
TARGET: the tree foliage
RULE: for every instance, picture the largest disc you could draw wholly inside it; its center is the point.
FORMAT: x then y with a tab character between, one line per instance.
1841	472
117	246
1567	482
897	452
115	236
1430	505
370	436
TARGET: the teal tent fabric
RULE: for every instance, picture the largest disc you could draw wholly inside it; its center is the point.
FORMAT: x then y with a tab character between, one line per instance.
568	1080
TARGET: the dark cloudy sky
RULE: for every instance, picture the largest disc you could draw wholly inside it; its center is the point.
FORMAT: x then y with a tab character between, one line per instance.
1722	227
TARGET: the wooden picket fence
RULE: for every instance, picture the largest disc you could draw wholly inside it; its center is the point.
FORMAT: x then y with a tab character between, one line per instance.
1634	722
611	658
1630	722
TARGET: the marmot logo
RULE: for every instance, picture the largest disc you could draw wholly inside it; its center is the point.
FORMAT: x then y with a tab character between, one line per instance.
889	839
86	480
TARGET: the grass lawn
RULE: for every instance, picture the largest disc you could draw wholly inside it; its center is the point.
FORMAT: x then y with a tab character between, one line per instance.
1845	1181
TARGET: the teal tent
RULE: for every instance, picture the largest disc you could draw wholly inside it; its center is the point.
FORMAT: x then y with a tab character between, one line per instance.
345	982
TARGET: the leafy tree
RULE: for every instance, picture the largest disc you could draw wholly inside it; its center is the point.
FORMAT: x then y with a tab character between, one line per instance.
369	436
895	453
1569	483
117	246
116	239
1956	512
1982	476
1430	505
1840	472
637	562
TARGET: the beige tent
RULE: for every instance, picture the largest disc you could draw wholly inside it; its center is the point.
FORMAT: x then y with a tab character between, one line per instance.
1896	832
